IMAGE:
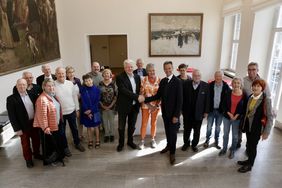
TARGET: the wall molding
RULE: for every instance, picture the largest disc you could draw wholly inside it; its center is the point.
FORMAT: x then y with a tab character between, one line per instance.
257	6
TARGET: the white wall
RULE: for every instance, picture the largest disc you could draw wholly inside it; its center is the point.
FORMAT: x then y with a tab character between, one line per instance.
80	19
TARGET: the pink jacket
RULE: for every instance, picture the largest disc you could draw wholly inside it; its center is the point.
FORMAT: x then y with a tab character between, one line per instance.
45	113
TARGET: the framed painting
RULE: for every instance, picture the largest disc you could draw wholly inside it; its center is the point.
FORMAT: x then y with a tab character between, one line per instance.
28	34
175	34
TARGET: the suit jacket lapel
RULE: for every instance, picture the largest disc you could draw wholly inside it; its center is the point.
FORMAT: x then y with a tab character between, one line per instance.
18	97
128	81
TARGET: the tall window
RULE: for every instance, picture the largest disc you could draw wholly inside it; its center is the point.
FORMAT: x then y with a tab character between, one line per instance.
235	41
275	71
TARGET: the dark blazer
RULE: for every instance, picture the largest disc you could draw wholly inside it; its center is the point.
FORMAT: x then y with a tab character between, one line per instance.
40	79
240	108
171	95
125	93
17	113
143	70
202	103
225	90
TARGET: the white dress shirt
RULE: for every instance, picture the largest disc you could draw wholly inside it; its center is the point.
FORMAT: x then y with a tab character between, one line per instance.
28	105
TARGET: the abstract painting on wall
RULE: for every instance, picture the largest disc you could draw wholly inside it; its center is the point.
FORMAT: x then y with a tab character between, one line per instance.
28	34
175	34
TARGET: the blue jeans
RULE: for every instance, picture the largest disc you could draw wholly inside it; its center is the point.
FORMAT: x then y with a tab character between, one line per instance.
71	118
214	116
227	123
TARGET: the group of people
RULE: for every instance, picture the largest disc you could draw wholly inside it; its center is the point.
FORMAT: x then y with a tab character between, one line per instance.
33	111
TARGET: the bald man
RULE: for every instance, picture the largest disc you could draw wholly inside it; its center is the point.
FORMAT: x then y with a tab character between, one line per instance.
67	96
95	73
20	107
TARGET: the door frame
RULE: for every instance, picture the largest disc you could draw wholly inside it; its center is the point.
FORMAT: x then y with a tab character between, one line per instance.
100	34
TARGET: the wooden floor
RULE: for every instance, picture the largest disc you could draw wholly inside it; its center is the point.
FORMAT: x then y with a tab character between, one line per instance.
105	167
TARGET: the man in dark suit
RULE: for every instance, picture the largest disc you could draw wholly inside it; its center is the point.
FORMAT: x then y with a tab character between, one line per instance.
46	74
195	108
20	107
128	103
170	92
140	70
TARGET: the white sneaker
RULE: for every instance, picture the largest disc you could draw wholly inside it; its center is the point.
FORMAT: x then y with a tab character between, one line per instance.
153	144
141	145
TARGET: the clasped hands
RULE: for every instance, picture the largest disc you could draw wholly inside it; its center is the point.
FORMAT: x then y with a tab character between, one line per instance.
141	98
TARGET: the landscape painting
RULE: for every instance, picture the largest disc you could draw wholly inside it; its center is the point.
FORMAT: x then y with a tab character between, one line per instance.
175	34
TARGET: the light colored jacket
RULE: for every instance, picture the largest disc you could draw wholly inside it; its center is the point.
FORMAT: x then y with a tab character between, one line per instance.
45	113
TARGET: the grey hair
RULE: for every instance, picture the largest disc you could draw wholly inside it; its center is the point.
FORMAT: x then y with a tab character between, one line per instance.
58	68
69	68
238	79
197	70
128	61
25	73
218	71
20	79
44	66
253	64
149	65
139	59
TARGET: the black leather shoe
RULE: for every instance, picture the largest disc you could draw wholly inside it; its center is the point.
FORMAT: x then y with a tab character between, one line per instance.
164	150
185	147
67	152
195	149
246	162
29	163
132	145
172	159
119	148
206	144
238	146
217	146
79	147
245	168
